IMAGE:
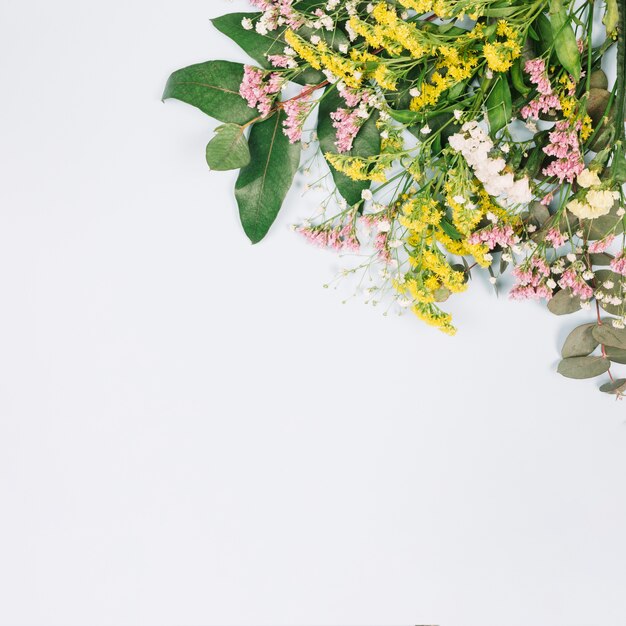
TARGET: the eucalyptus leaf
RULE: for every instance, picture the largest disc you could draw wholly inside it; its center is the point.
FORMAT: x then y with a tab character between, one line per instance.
564	303
580	342
580	367
212	87
228	150
607	335
263	184
616	355
615	387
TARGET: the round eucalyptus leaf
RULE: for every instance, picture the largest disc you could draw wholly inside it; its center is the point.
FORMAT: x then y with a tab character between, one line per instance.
602	226
580	342
228	150
615	387
616	355
598	80
564	303
597	104
580	367
607	335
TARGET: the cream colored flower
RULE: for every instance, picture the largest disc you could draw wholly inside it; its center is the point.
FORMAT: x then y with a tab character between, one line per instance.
580	209
602	201
588	178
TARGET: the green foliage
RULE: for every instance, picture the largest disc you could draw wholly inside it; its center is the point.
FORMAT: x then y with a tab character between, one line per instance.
212	87
366	144
580	367
263	184
565	44
580	342
564	303
228	150
499	104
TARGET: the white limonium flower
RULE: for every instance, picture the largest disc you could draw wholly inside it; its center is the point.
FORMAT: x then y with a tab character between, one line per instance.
246	22
489	171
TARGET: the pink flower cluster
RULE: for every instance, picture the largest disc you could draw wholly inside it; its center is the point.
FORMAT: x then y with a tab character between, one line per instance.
565	147
555	237
257	91
572	279
532	279
297	111
274	10
280	60
602	245
618	264
547	100
381	240
347	124
338	238
494	236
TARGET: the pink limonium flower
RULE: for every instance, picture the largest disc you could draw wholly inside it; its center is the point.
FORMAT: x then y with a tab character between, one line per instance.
533	280
341	237
257	91
297	110
565	147
347	124
493	236
618	264
602	245
282	60
555	237
572	279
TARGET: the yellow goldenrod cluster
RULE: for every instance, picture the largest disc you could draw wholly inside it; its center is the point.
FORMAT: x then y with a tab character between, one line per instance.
361	168
501	53
320	56
438	7
570	106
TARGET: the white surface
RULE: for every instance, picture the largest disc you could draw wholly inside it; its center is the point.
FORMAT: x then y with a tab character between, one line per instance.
193	431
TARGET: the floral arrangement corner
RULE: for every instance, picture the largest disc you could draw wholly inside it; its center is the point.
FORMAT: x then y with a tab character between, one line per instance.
459	135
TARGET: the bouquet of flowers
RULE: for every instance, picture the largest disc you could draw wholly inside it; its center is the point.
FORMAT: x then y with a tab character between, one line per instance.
459	135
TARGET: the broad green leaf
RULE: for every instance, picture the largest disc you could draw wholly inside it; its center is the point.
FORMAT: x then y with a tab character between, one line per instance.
254	44
366	143
499	105
564	303
616	354
212	87
615	387
584	367
601	259
405	116
580	342
544	30
565	44
263	184
259	46
607	335
228	150
517	77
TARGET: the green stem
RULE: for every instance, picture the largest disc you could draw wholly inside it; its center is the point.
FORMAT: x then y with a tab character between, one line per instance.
621	70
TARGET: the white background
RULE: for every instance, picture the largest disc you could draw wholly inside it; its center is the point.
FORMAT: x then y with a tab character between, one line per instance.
193	431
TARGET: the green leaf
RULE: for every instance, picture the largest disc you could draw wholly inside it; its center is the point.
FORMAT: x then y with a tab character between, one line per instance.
616	355
602	226
601	258
499	105
263	184
256	45
611	16
228	150
563	303
614	387
565	44
366	143
212	87
580	342
580	367
607	335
